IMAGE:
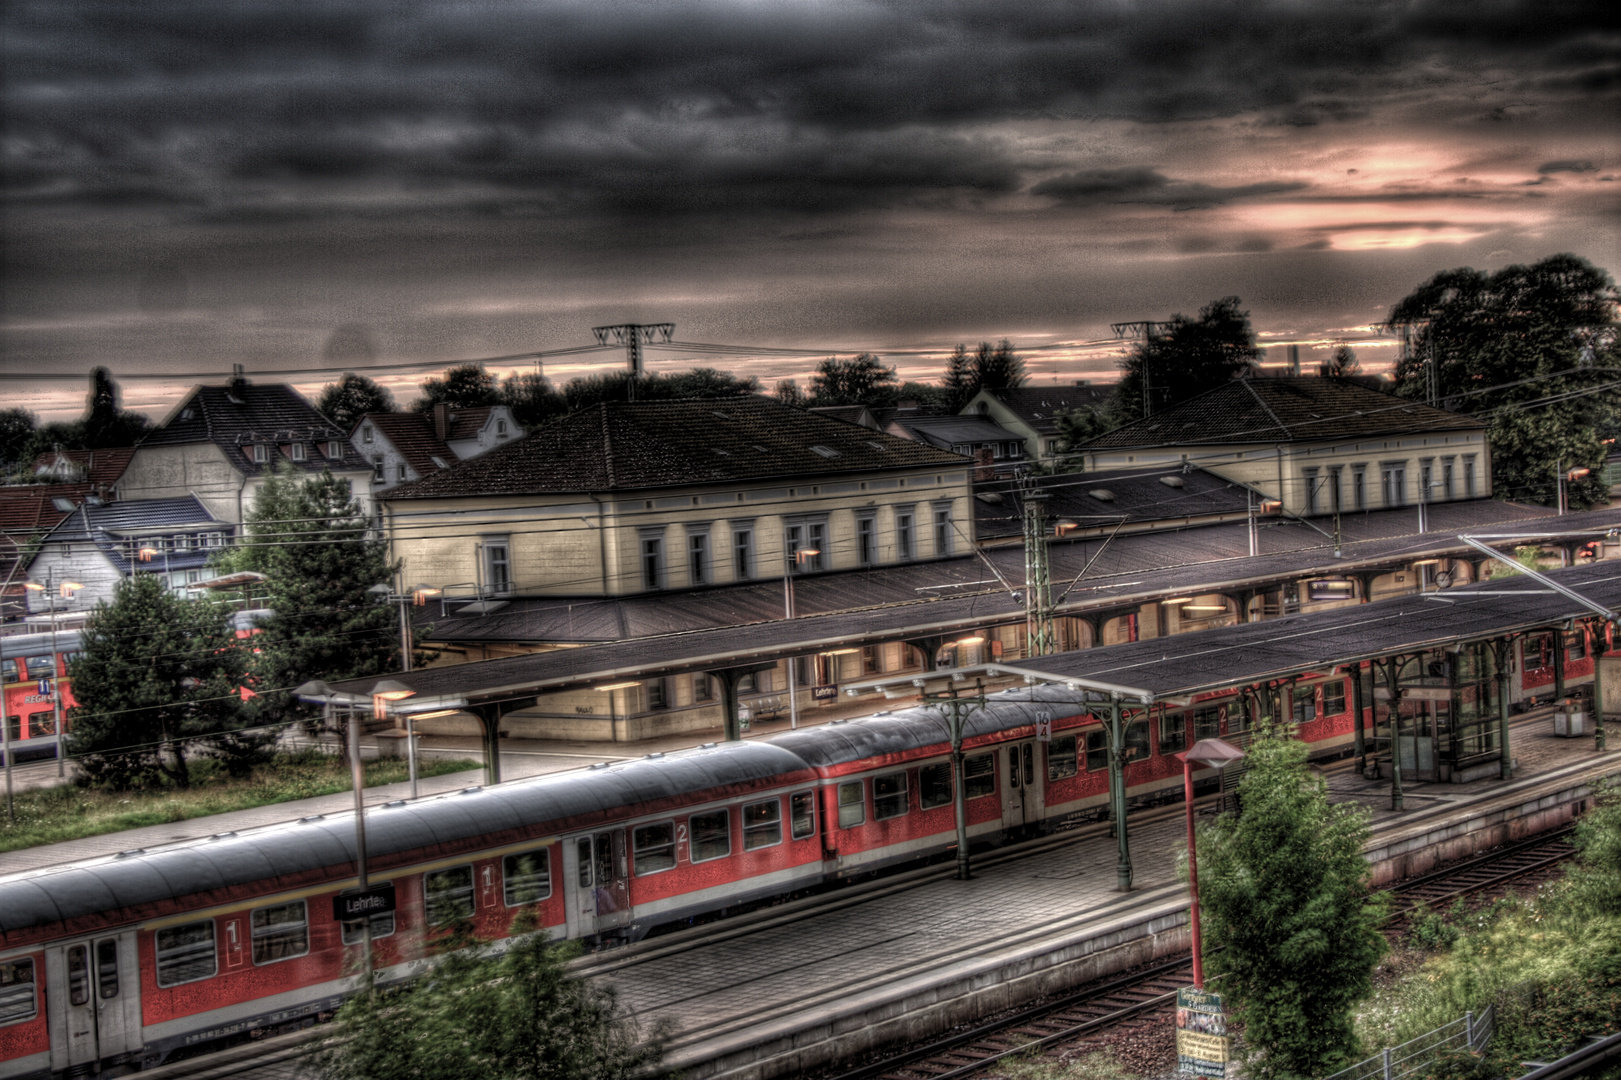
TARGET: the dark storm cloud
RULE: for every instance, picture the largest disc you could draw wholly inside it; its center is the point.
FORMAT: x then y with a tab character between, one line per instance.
255	108
1567	166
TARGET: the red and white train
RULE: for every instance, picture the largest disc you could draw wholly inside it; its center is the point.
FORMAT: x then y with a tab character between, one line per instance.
117	963
33	668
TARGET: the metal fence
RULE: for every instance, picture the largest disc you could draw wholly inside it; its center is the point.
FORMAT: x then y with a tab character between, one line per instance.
1469	1032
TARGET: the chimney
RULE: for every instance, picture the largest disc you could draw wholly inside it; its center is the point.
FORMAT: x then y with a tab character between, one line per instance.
1294	359
441	420
984	464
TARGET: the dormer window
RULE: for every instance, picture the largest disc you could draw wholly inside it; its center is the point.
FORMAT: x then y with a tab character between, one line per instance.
334	450
261	453
500	429
296	451
366	434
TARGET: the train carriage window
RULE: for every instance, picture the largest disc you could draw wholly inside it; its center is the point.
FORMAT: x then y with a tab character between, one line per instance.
449	895
107	969
354	930
803	808
852	804
934	785
40	667
1207	723
582	857
280	932
762	824
654	847
889	796
1575	645
1305	702
9	671
979	776
526	878
1136	748
1334	697
185	953
1173	733
18	998
1097	750
1061	757
78	974
711	836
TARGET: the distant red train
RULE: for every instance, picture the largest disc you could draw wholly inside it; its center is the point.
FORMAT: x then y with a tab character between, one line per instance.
33	664
119	962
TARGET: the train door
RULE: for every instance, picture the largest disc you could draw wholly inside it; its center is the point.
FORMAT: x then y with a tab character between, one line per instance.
1021	795
595	868
92	995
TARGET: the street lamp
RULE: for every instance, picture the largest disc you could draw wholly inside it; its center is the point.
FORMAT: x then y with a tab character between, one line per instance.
798	557
1208	754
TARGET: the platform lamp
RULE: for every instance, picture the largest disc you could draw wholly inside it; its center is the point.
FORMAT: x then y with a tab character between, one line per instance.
385	694
317	692
1207	754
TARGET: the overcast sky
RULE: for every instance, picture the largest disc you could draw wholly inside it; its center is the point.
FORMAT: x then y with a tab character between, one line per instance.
290	183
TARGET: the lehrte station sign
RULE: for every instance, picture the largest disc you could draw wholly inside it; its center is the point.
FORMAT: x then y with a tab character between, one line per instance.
347	907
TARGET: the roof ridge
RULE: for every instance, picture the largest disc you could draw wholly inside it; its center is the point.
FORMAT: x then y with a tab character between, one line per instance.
1249	384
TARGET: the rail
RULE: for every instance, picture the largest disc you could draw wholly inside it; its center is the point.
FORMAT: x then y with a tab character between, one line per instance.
1468	1032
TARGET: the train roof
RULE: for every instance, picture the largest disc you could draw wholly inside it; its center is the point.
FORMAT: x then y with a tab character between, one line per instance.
441	824
34	644
904	730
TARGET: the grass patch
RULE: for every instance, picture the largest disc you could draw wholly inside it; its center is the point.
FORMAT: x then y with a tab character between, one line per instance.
67	812
1094	1066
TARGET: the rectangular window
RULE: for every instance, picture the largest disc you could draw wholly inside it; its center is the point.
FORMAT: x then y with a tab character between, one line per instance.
1305	704
497	566
762	824
871	660
1173	733
658	693
1136	741
297	451
889	796
742	553
1207	723
1575	645
1359	487
107	969
803	809
1061	761
1097	750
399	472
711	836
934	785
1311	481
280	932
942	531
654	847
652	562
1426	490
449	895
366	434
903	535
334	450
1447	491
354	930
1393	484
703	689
698	558
852	804
1334	697
11	673
185	953
377	467
979	776
526	878
816	536
1333	482
866	541
78	974
19	1000
1469	475
261	453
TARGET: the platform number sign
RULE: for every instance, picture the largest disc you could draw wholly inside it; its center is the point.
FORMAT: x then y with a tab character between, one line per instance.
1201	1034
1044	727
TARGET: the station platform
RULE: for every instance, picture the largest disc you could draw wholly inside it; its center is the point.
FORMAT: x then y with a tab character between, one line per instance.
790	989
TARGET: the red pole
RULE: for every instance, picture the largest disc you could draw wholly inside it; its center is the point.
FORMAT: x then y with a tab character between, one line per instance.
1193	874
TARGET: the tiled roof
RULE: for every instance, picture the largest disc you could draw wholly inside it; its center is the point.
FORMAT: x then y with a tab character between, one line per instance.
1298	409
110	525
632	445
464	423
91	466
412	435
1039	406
236	417
948	431
1100	499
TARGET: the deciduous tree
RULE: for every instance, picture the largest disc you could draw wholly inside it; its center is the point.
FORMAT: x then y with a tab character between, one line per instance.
351	397
158	678
789	393
465	386
1184	358
531	399
1284	888
860	380
1522	349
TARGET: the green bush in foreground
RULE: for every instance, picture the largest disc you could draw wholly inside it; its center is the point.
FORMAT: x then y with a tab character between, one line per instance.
477	1013
1284	892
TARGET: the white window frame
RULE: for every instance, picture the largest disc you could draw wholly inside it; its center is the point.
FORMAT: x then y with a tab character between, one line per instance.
941	517
471	893
214	953
636	852
692	835
755	829
858	809
905	533
700	562
296	451
487	548
261	453
793	822
506	878
904	794
742	546
13	990
254	933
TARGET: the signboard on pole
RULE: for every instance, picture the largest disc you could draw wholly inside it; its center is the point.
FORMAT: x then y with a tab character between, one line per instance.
1044	727
1201	1034
825	693
349	906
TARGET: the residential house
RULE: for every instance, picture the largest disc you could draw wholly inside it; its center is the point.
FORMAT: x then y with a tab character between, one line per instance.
66	479
657	496
221	442
1320	445
1031	412
100	544
406	446
970	435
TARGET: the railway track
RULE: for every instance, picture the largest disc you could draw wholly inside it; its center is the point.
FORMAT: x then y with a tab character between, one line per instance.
1150	992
